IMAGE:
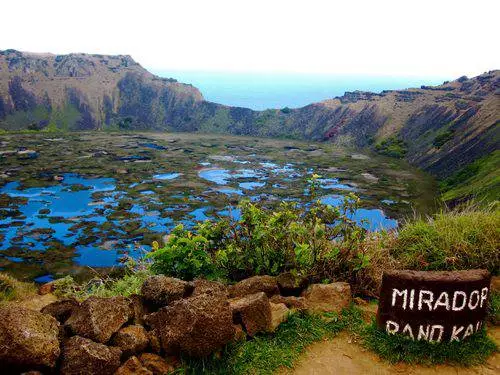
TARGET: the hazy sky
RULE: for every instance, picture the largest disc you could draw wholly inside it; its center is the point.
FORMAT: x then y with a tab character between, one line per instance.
400	37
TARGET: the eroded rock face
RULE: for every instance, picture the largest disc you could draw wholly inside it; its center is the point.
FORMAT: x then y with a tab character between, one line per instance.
131	340
196	326
162	290
253	311
99	318
255	284
27	338
84	356
327	297
133	366
157	365
62	309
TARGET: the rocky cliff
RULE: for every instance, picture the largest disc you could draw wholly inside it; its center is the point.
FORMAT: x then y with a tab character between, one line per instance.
438	128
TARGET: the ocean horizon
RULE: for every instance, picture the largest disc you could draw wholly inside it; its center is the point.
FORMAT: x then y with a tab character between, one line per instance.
261	91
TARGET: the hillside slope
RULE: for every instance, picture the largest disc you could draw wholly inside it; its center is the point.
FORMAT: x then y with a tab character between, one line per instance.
440	129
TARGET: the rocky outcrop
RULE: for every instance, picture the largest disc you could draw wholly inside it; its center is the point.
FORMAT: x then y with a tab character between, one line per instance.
99	318
196	326
28	339
255	284
290	284
62	309
131	340
162	290
254	313
84	356
126	336
327	297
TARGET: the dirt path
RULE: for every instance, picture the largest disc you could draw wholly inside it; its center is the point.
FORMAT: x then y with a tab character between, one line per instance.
341	356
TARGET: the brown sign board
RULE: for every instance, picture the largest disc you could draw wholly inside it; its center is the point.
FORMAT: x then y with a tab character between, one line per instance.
434	306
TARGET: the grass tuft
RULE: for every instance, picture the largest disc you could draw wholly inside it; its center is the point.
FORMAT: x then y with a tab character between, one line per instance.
397	348
12	289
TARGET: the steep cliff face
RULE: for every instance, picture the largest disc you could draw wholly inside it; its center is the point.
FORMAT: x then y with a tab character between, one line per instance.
439	128
86	92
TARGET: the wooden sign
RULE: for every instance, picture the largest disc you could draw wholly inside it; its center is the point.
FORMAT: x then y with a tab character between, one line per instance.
434	306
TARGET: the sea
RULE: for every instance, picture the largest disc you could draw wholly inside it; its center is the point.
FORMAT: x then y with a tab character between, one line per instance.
260	91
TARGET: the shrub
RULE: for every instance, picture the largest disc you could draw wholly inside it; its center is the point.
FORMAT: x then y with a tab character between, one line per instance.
442	138
317	240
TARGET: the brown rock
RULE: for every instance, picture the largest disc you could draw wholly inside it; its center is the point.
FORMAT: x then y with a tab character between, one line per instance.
157	365
327	297
202	286
253	311
297	303
27	338
84	356
162	290
138	309
279	314
46	288
131	340
239	333
154	341
99	318
291	285
255	284
62	309
196	326
133	366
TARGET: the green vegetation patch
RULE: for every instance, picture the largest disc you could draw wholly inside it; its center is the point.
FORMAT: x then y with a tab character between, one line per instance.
12	289
392	146
480	179
398	348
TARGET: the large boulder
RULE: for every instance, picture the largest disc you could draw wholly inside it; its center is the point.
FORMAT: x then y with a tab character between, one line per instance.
202	286
84	356
27	338
138	309
255	284
327	297
196	326
133	367
62	309
158	365
99	318
290	284
253	311
162	290
131	340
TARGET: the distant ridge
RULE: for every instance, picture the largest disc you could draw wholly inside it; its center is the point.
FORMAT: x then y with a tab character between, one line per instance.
438	128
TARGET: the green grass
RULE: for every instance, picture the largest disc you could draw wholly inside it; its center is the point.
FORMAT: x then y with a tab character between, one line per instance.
12	289
397	348
125	286
494	308
392	146
454	240
265	353
480	179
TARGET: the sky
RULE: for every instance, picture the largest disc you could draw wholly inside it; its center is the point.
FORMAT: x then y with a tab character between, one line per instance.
351	37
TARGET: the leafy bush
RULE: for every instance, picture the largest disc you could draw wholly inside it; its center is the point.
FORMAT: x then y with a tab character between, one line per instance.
318	240
460	239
